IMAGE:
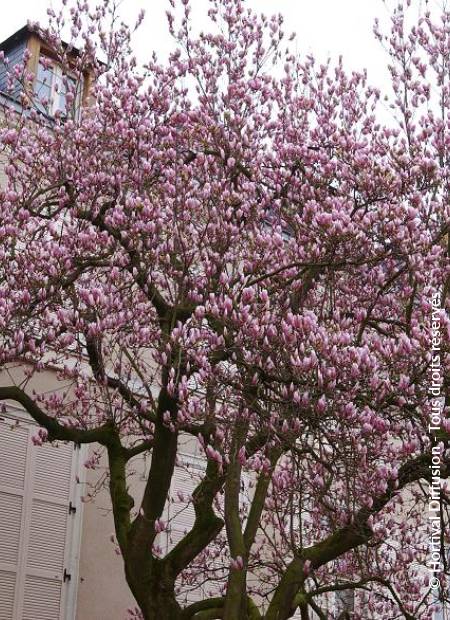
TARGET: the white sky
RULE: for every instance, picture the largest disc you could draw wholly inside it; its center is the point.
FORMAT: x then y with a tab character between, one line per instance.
324	27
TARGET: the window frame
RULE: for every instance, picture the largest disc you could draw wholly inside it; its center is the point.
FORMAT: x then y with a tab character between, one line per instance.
57	82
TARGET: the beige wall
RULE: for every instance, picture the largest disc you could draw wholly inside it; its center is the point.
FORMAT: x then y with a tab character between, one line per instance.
103	593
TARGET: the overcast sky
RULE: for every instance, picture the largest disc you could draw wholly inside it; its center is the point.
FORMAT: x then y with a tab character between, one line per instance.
324	27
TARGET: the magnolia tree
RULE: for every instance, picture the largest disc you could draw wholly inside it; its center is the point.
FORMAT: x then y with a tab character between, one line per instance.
236	248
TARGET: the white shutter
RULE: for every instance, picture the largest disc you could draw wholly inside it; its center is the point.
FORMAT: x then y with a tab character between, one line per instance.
53	467
35	524
13	463
42	599
186	478
344	601
10	521
7	591
47	537
13	455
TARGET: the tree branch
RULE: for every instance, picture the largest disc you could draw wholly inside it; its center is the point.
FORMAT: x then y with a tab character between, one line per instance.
55	429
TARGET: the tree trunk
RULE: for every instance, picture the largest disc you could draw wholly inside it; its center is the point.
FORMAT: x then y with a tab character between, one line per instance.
304	613
160	606
153	588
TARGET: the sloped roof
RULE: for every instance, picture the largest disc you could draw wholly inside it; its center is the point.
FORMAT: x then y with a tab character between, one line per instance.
15	38
23	34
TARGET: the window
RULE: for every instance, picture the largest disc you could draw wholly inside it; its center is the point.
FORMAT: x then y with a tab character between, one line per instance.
51	89
39	527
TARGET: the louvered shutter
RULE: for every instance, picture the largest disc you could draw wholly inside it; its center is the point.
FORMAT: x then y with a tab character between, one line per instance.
14	458
35	486
187	475
345	601
45	558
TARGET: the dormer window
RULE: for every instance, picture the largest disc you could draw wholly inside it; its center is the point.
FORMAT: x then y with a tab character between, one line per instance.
57	89
52	87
